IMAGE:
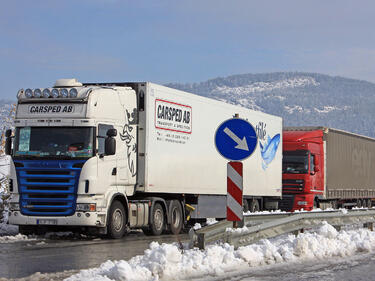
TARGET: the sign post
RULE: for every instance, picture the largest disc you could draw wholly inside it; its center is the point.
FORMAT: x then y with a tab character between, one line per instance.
234	191
235	140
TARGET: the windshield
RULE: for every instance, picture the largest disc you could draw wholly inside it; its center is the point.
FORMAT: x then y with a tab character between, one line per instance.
295	162
54	142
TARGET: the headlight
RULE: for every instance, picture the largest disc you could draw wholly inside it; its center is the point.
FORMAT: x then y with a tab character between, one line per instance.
55	93
83	207
29	93
19	93
73	93
64	93
46	93
37	93
14	206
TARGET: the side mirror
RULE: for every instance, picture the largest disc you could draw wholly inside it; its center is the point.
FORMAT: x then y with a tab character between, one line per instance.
8	133
110	145
8	142
111	133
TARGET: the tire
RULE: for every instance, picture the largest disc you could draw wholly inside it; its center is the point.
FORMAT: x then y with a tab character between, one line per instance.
157	221
359	203
245	205
369	203
177	219
364	203
116	220
254	206
334	204
316	204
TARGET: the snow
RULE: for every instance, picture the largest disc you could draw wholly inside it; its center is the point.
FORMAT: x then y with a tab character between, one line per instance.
330	108
7	232
169	262
14	238
209	221
269	86
291	109
4	166
249	103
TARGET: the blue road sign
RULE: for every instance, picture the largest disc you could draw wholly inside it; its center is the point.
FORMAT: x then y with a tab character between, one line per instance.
236	139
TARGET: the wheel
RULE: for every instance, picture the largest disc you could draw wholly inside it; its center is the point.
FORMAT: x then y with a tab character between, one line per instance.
116	220
254	206
316	204
364	203
157	222
359	203
369	203
177	219
334	204
245	205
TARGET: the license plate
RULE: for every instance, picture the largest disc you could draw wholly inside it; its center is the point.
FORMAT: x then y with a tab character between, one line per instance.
48	222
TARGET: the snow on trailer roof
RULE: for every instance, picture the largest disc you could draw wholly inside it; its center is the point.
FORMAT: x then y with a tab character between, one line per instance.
326	130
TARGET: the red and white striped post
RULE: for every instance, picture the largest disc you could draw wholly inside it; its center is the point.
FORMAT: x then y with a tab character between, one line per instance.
234	192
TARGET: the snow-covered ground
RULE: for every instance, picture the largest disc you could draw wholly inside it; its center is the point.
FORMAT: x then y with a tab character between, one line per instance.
269	86
170	262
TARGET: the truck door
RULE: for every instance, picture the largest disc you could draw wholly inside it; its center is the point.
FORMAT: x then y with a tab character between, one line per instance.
315	175
107	165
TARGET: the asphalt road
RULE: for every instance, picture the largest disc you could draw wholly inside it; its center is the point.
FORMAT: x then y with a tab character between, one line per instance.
22	259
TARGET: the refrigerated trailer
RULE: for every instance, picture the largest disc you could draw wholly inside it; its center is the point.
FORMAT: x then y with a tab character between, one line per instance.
105	157
325	167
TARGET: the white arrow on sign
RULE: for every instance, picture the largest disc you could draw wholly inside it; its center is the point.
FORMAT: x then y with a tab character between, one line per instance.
241	144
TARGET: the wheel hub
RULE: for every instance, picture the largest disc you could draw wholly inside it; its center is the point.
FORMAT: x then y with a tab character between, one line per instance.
118	220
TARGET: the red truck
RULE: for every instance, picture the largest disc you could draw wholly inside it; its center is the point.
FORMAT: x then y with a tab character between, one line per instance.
326	168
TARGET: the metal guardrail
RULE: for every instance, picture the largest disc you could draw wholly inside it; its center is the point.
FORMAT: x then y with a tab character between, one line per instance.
272	225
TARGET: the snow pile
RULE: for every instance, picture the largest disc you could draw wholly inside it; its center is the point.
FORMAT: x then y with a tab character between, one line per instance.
14	238
169	262
5	229
209	221
271	212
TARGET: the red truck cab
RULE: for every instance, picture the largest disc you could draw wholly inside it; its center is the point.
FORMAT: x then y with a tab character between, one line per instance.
303	169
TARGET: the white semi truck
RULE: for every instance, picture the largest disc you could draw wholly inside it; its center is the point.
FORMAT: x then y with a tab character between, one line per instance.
106	157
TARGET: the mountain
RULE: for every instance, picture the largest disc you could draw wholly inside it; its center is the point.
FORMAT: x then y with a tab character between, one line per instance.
301	99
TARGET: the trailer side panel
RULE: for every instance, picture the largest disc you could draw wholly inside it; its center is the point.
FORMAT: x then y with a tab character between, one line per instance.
350	165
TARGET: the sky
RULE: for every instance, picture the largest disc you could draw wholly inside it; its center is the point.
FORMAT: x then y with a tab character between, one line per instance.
181	41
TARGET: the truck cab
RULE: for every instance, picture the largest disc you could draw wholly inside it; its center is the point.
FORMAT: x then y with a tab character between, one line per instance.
74	153
302	175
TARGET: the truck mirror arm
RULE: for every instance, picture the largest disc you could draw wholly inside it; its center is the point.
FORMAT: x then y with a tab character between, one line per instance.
8	142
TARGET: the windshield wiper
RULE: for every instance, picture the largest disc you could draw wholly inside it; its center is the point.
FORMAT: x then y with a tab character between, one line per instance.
27	157
43	157
63	157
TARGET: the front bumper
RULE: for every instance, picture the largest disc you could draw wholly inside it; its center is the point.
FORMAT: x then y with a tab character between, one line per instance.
95	219
295	202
